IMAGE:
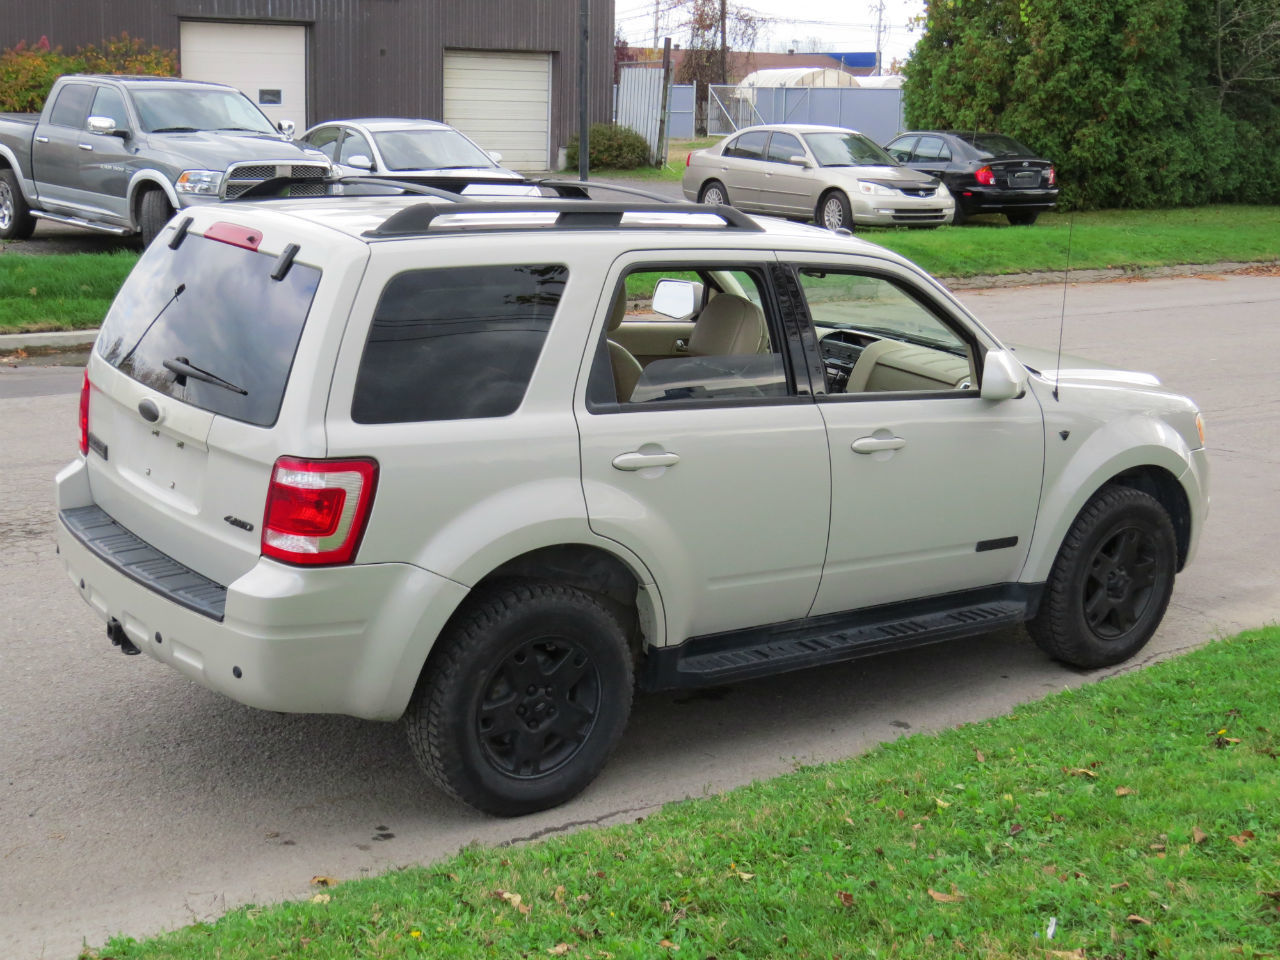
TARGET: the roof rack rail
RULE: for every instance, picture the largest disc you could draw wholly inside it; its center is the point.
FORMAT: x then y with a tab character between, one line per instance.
277	188
579	188
570	214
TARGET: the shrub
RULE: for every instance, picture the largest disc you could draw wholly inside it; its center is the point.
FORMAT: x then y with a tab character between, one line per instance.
612	148
27	72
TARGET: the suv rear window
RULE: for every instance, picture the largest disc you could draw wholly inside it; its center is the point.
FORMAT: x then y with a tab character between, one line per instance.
211	306
456	343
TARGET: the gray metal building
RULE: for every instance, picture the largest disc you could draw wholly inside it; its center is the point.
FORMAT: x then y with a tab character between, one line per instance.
503	71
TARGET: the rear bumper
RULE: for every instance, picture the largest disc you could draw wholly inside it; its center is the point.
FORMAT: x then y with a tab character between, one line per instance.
999	200
348	640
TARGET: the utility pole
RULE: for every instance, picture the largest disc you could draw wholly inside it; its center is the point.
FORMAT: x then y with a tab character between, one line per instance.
724	43
879	32
584	127
657	8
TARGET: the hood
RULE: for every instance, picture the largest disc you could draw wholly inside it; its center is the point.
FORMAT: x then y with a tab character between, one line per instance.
452	173
210	150
898	177
1071	368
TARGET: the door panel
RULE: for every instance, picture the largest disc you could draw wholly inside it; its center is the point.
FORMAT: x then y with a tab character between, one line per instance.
785	187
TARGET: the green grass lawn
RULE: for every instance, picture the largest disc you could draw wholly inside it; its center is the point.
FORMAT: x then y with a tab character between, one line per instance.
73	291
1136	817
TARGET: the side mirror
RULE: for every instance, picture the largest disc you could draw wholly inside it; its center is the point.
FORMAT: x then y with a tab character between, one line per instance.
1003	377
495	156
286	127
360	162
674	298
800	161
106	127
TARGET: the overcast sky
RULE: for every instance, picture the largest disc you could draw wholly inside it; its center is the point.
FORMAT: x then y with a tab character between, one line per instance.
837	25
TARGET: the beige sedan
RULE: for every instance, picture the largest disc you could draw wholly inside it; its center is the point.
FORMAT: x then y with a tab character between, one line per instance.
832	175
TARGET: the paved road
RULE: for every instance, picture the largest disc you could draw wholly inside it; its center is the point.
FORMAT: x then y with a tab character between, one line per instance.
133	800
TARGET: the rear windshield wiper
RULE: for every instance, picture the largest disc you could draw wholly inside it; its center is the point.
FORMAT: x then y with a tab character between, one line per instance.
184	368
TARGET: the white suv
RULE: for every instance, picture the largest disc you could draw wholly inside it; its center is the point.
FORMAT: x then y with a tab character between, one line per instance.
492	466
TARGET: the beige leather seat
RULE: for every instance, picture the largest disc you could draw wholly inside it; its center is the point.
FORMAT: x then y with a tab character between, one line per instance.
626	368
729	325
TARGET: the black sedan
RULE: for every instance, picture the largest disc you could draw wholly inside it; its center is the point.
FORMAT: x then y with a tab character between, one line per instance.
985	172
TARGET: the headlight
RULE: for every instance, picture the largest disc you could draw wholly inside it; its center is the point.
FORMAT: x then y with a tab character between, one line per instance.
875	189
206	183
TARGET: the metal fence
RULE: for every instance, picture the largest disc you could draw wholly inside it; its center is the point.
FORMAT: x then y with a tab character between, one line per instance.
639	104
877	113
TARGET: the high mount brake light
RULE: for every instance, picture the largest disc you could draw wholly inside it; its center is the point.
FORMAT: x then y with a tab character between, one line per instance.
317	510
84	414
985	175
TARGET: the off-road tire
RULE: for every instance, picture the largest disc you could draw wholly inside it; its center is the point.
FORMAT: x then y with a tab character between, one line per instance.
1111	581
1023	219
575	675
833	211
153	214
16	221
713	192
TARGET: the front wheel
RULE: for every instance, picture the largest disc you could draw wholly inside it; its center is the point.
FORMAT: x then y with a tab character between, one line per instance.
524	699
1111	581
713	192
153	215
833	211
16	221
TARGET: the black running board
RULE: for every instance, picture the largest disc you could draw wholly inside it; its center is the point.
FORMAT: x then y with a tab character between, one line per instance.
832	638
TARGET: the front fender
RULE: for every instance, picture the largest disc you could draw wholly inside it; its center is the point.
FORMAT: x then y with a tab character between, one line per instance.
149	178
1118	445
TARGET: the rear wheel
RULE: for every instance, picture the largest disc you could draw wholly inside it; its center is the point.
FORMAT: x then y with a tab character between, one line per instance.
1111	581
713	192
833	211
524	699
16	222
154	213
959	218
1023	219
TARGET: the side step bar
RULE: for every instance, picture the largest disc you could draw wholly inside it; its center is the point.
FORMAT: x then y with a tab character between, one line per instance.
833	638
79	222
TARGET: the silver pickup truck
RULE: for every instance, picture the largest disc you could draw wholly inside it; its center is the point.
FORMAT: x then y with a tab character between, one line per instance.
121	154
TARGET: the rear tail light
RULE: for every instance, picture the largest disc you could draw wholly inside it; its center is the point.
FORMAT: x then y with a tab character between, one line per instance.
688	158
1053	177
84	414
317	510
985	175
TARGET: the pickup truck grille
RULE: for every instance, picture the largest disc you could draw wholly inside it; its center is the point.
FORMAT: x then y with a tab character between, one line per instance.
242	176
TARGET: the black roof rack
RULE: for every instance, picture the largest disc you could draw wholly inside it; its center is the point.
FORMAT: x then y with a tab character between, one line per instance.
277	188
579	188
570	214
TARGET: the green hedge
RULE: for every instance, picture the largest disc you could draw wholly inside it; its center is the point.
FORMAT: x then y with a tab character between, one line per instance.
27	71
611	148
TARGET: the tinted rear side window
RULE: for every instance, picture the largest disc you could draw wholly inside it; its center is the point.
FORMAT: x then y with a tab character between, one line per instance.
72	105
455	344
230	319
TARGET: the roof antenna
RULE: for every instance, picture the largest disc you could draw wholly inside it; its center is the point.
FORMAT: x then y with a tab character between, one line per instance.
1062	316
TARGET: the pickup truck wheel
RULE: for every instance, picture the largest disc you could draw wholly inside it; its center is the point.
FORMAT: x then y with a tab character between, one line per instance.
16	221
1111	581
524	698
153	215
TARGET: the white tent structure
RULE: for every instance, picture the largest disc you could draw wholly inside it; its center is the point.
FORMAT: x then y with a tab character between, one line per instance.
797	77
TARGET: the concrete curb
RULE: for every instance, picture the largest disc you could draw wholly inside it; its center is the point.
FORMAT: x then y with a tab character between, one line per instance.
66	339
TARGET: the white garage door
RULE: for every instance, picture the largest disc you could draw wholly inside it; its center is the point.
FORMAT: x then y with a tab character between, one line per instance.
266	61
502	101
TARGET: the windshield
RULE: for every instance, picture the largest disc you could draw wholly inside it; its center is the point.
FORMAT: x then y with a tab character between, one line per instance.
429	150
175	110
206	324
847	150
992	145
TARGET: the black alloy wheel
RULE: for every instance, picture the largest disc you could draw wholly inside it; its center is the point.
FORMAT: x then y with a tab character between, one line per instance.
1111	581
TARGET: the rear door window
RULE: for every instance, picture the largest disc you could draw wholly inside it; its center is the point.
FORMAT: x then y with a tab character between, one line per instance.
72	105
749	146
455	344
214	307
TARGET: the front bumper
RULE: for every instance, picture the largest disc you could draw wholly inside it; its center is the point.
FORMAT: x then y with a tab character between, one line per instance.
348	640
872	211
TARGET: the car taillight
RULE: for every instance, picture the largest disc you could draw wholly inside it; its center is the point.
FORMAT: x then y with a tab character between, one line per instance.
84	414
317	510
1053	177
688	158
985	175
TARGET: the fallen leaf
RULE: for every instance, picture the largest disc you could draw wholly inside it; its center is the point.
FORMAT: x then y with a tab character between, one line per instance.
1243	837
745	876
514	899
1124	791
1134	918
940	802
1273	894
946	897
559	894
1015	829
845	898
319	880
978	755
668	944
1198	835
1077	954
321	898
559	950
1122	885
1078	772
1156	846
